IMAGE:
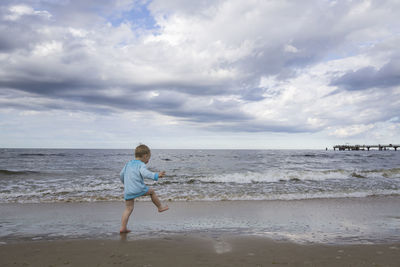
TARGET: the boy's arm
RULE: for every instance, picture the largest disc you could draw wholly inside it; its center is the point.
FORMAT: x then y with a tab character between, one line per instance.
148	174
122	174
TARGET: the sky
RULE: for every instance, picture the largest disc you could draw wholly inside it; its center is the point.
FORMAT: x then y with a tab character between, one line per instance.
201	74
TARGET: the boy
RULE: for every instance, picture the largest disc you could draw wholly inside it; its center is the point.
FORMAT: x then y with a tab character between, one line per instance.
132	176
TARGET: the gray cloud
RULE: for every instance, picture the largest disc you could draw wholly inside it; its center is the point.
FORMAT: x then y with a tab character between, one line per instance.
370	77
255	127
19	34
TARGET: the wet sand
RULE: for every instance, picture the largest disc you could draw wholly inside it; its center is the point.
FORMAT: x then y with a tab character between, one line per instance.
192	250
327	221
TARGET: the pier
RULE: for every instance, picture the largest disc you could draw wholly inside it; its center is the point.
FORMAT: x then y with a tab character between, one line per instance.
366	147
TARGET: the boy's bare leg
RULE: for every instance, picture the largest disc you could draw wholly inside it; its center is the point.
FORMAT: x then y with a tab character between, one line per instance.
129	204
156	201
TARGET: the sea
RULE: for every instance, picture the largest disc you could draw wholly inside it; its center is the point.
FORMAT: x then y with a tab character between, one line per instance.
92	175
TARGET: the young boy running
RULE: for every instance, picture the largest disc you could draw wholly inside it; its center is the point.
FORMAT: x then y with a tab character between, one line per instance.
132	176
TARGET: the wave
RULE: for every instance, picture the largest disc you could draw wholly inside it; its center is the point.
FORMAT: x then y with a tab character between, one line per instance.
284	175
62	197
313	155
41	155
70	193
8	172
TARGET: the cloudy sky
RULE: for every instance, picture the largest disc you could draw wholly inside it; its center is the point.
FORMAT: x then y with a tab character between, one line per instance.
199	74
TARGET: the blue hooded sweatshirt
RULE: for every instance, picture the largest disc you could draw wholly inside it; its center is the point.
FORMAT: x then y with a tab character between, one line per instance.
132	176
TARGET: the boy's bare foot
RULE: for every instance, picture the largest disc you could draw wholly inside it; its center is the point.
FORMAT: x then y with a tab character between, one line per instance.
122	231
163	209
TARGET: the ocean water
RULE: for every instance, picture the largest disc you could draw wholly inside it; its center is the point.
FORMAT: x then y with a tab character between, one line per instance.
76	175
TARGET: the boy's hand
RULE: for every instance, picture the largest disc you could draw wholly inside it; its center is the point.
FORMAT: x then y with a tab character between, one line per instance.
161	174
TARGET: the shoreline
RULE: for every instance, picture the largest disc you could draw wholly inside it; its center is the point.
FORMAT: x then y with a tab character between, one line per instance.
166	200
196	250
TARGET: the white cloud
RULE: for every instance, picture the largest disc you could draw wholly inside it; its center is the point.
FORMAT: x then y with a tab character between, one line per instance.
290	49
349	131
17	11
48	49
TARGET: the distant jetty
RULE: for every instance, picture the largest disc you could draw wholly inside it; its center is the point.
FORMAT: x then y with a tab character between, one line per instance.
366	147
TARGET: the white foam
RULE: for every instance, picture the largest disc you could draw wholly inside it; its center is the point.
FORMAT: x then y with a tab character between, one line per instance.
67	192
276	176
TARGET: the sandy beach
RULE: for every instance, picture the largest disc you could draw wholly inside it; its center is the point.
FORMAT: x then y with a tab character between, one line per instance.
328	232
188	250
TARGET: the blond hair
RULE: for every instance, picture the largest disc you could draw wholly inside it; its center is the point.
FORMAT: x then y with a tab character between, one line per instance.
142	150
